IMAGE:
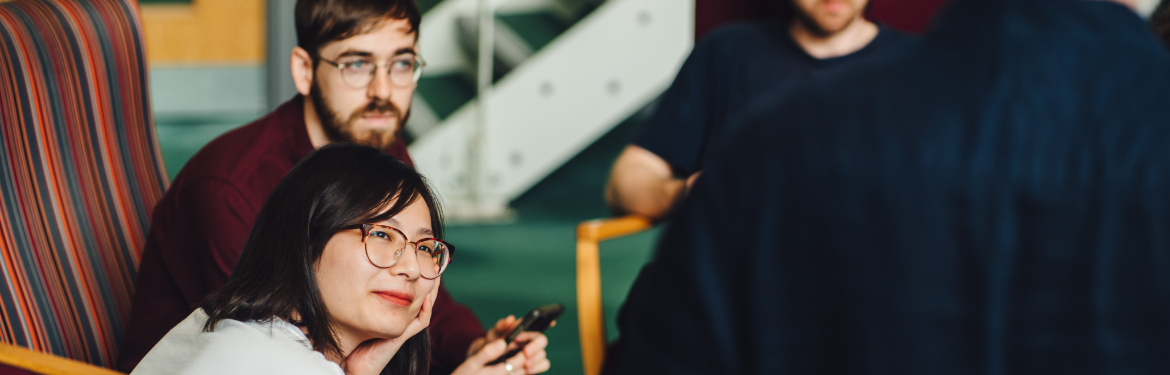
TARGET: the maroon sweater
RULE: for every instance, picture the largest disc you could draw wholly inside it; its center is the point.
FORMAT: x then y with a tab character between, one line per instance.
200	226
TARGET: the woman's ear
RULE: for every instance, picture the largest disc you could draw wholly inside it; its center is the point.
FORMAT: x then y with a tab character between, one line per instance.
301	65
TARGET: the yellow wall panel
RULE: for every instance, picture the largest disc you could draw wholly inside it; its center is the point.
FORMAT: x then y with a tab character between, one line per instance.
206	32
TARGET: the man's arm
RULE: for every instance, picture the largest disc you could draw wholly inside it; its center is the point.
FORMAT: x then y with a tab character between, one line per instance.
675	138
642	183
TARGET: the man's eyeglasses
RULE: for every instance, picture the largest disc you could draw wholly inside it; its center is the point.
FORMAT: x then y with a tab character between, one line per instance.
358	72
385	246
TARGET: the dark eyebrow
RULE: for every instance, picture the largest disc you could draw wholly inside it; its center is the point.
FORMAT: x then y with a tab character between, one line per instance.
422	231
355	53
367	54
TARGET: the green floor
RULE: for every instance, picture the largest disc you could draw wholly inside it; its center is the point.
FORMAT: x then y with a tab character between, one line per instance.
510	268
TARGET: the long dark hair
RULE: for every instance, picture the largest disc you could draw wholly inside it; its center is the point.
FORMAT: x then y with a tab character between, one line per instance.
334	188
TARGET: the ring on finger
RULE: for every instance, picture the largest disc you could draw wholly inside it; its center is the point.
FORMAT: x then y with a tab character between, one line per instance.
508	367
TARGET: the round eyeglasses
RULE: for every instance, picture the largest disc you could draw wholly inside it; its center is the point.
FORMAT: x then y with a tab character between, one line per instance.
385	246
358	72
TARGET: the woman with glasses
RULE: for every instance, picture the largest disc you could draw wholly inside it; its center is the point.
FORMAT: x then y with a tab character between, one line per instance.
339	275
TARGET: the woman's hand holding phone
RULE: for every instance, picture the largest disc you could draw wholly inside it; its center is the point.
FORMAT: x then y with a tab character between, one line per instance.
496	332
531	360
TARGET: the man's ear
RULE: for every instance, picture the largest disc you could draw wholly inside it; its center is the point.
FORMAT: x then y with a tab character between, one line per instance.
302	69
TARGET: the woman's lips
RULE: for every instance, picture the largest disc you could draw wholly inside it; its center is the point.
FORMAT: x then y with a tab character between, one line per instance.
396	298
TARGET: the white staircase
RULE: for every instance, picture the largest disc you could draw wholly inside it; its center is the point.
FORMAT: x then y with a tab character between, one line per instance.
549	107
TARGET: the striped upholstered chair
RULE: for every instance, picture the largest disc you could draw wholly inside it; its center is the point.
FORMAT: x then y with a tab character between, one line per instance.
80	172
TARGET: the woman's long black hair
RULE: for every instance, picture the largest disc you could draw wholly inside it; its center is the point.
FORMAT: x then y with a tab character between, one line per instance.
334	188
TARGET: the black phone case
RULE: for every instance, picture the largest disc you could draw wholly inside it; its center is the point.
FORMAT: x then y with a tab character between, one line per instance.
536	320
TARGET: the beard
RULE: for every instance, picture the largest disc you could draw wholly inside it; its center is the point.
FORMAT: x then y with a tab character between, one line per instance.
823	25
339	129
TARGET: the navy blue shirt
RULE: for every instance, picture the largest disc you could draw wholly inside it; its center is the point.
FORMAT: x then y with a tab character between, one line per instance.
727	70
994	201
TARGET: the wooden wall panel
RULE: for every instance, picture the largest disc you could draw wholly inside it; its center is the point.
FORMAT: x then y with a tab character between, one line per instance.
206	32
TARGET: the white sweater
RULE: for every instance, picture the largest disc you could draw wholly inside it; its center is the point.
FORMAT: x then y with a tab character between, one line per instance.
235	347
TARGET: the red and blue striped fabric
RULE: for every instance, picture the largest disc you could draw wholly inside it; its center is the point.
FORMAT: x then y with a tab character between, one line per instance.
80	172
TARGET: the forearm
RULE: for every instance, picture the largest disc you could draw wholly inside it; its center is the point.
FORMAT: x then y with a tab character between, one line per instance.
644	195
642	183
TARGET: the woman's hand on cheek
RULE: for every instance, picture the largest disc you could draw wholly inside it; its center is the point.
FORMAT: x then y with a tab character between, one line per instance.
371	356
423	319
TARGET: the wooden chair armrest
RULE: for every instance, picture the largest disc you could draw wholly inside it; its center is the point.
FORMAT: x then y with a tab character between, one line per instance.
48	364
604	229
590	312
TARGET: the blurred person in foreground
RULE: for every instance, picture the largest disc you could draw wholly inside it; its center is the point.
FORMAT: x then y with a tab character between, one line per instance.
355	66
339	275
994	201
726	71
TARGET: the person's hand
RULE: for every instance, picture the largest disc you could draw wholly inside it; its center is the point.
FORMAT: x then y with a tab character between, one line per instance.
498	331
371	356
502	327
531	360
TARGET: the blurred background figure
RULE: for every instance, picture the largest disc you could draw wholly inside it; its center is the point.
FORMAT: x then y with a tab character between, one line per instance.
724	73
993	201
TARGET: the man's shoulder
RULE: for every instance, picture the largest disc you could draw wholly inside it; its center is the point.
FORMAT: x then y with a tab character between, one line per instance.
889	37
736	31
744	38
243	154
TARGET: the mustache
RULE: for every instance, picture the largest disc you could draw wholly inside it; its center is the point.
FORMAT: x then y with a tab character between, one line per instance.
379	106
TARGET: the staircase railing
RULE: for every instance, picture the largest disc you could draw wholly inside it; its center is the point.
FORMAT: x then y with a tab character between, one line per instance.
590	78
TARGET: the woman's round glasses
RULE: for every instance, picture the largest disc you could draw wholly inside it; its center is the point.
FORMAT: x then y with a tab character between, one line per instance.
358	72
385	246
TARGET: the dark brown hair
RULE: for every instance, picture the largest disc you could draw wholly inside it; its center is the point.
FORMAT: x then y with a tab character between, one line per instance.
319	22
335	188
1160	21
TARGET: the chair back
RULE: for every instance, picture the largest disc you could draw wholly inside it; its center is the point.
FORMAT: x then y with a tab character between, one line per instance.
80	173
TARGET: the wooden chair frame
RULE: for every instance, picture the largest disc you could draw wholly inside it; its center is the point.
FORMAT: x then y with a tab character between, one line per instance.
590	312
48	364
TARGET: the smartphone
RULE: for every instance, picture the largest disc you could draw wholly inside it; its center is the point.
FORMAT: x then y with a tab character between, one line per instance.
536	320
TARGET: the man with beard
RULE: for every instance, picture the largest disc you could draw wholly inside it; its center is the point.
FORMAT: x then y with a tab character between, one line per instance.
355	67
726	70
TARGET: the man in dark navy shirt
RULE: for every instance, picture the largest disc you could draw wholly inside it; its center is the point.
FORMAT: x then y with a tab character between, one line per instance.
723	74
992	201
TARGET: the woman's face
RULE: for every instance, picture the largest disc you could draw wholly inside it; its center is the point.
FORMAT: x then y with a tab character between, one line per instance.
368	302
